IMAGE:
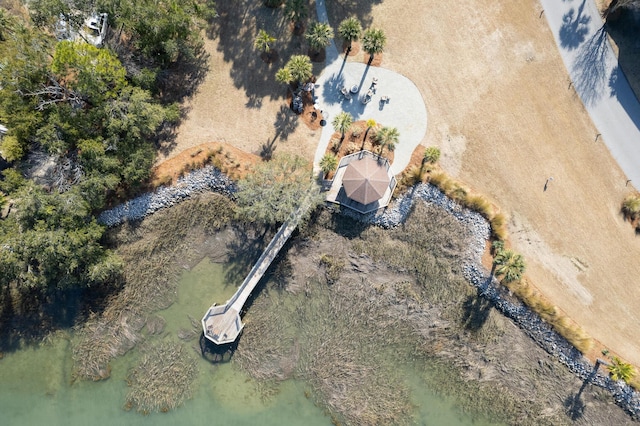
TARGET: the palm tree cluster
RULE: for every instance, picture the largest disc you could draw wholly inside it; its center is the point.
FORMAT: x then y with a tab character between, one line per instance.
297	69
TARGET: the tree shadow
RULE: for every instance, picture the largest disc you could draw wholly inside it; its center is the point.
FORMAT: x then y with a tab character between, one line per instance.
331	89
30	316
235	29
574	405
589	69
244	250
620	88
624	28
476	310
286	123
575	27
361	9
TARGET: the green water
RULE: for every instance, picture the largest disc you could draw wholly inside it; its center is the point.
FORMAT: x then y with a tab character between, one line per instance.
36	383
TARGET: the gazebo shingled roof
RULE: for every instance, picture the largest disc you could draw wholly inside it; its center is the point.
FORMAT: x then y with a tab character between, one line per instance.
365	180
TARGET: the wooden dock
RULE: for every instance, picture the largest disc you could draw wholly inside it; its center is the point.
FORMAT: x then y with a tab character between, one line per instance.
222	323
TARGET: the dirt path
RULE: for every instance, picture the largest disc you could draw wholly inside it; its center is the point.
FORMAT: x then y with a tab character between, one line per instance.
500	109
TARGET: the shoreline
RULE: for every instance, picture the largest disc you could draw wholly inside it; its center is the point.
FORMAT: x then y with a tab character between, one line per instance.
210	178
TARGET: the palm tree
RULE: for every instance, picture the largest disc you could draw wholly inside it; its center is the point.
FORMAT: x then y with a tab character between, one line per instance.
373	42
371	123
319	36
300	68
389	137
328	163
620	370
263	42
509	265
431	155
342	122
283	75
631	207
350	30
296	11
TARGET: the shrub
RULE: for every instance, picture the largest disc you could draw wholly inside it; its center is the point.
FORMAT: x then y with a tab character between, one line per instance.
621	370
480	204
351	148
431	154
335	144
631	207
11	149
498	226
333	267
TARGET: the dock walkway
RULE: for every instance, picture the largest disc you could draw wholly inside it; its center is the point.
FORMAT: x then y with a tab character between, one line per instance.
222	323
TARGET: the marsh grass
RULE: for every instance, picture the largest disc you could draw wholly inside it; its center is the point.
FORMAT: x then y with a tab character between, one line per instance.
163	379
429	245
350	340
153	252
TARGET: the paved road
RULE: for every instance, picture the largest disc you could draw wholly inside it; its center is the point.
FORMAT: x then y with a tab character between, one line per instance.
596	77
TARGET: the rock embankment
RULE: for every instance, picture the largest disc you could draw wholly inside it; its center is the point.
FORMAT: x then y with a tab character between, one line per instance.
211	179
205	179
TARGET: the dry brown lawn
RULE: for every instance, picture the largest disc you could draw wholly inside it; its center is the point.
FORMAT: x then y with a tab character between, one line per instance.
501	110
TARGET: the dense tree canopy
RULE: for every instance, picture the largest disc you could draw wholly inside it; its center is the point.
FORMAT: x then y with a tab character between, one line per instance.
53	241
276	189
76	106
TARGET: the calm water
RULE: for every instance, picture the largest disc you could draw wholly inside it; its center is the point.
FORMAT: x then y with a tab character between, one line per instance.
35	384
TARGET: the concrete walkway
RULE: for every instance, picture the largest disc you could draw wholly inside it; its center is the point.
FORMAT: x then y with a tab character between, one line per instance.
405	110
596	77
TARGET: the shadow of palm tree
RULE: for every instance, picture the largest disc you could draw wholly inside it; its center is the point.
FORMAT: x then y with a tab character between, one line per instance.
235	29
575	27
476	311
286	123
573	404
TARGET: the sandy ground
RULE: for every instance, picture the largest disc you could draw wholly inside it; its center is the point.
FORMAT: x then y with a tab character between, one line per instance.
501	110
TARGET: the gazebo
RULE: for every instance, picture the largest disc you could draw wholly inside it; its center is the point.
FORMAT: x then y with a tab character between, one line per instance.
363	182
